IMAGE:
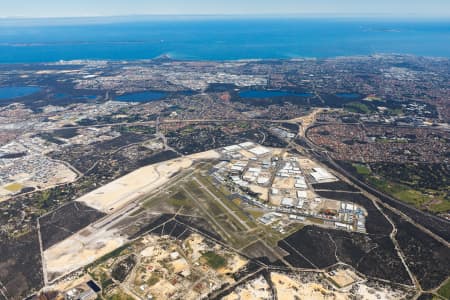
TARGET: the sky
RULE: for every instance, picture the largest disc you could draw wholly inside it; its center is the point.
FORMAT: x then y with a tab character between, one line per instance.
87	8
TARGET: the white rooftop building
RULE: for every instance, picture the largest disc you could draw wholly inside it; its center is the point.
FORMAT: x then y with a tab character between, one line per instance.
289	202
302	194
259	150
322	175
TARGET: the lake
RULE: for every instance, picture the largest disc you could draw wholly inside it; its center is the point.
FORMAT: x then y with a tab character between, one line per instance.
147	96
13	92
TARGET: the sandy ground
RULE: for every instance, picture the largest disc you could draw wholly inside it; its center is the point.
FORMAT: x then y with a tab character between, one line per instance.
66	285
111	197
284	183
288	288
330	204
368	293
163	289
307	164
235	263
63	174
101	238
80	250
255	289
180	265
196	243
344	277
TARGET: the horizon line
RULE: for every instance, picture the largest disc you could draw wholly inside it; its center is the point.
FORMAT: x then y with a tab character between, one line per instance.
249	15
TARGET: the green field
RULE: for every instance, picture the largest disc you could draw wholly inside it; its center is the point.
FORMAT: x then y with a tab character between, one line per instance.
425	186
420	199
197	194
444	291
180	199
358	107
214	260
120	296
401	192
362	169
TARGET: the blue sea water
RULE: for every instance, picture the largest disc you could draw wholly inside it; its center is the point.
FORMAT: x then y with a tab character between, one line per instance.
17	91
219	39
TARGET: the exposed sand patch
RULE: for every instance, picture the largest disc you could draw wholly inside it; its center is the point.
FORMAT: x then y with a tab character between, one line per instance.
80	250
369	293
255	289
99	239
211	154
288	288
148	252
235	263
284	183
344	278
164	289
115	195
69	284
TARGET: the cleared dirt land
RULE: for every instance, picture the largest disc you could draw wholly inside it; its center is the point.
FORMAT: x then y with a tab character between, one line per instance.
102	237
113	196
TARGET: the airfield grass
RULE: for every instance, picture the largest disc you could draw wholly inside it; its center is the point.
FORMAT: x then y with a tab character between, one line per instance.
224	195
272	237
180	199
255	213
188	194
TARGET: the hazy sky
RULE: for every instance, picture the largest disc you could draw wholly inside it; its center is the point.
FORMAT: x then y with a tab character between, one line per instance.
73	8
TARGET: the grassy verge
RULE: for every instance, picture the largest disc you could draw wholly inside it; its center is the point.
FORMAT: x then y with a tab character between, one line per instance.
362	169
444	291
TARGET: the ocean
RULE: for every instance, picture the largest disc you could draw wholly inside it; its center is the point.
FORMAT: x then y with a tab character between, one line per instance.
219	39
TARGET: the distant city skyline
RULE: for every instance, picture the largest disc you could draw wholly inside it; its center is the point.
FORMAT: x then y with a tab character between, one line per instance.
91	8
